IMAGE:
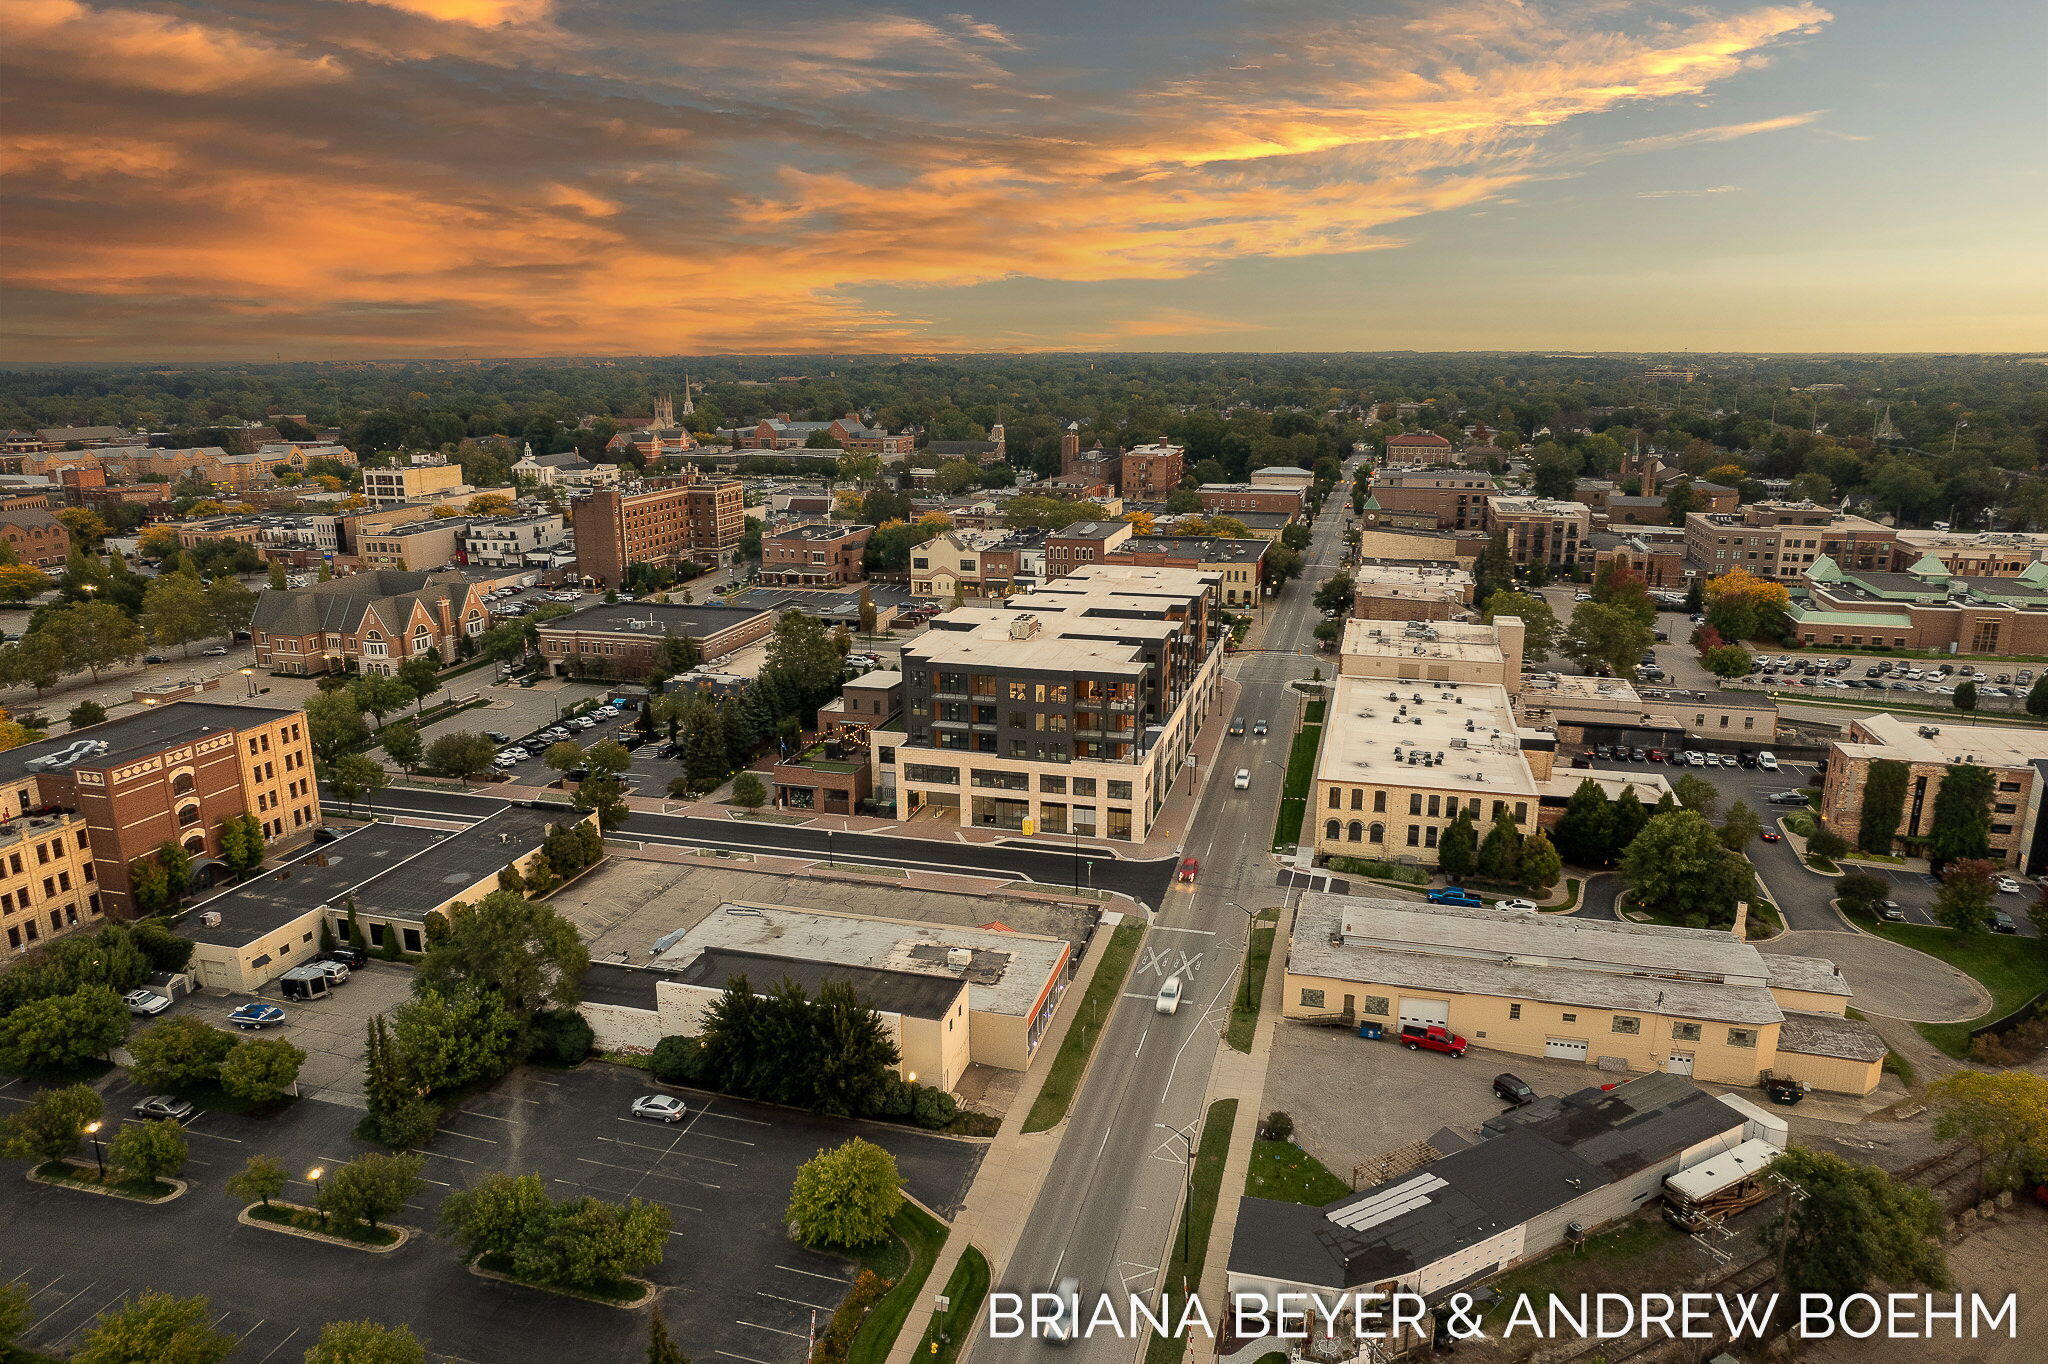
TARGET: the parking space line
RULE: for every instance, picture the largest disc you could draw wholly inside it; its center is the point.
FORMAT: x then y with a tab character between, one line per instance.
797	1335
59	1307
251	1331
445	1156
280	1345
830	1278
453	1133
748	1358
815	1307
474	1114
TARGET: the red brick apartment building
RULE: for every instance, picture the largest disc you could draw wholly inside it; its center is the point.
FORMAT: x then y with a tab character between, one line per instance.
77	810
821	554
1417	449
690	515
1147	473
38	537
1446	500
1252	497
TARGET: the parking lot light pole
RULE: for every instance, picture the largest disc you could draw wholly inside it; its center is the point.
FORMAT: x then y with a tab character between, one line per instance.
1187	1210
250	673
99	1157
314	1176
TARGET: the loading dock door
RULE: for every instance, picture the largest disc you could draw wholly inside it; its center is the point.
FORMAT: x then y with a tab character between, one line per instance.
1565	1048
1423	1012
1679	1063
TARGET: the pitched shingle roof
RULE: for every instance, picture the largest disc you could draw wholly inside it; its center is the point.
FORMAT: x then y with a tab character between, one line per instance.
341	605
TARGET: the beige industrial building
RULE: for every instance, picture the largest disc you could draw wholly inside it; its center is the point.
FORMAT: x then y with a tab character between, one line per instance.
1610	710
1013	981
2017	759
1628	998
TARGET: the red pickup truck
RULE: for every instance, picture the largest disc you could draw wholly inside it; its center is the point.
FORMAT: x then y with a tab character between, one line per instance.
1434	1037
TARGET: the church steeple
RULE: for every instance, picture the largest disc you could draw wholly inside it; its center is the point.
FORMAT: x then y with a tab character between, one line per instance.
689	403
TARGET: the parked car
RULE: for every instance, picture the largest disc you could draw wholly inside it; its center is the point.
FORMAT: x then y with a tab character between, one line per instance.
1782	1090
351	957
145	1003
659	1108
1455	895
1891	910
2001	922
1243	780
217	651
1168	1001
252	1016
495	737
164	1108
2008	886
1512	1089
1433	1037
336	971
1516	906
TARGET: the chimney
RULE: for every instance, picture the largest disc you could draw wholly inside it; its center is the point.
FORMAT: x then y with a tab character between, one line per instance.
1740	930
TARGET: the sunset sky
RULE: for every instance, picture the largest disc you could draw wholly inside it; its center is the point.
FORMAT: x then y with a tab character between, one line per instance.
329	179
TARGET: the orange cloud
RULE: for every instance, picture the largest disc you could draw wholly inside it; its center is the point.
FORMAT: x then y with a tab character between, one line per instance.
559	185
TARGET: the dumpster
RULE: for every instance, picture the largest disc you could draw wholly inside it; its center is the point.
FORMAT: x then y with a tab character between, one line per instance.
1369	1031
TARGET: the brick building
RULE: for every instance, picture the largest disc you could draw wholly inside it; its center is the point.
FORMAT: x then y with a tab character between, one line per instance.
818	554
2016	758
1082	543
688	516
1437	500
1384	590
36	535
1926	607
1417	449
1657	555
1148	472
375	620
76	811
1541	529
1249	497
1780	540
619	640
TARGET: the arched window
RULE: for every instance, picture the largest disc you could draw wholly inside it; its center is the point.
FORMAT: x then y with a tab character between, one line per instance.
181	785
195	843
1357	831
188	815
1379	833
1330	830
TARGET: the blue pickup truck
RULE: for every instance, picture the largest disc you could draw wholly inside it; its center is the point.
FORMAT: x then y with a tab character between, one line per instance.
1454	895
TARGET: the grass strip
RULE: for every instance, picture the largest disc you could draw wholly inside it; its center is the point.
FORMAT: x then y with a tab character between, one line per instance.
947	1335
917	1237
1182	1276
2012	968
1301	769
1285	1173
1063	1077
613	1291
1251	989
308	1219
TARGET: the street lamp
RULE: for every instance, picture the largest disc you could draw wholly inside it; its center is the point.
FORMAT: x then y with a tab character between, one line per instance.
99	1157
1187	1142
250	673
314	1175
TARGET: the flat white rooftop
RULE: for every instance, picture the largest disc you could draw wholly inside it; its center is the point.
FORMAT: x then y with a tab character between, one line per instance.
1458	737
1459	641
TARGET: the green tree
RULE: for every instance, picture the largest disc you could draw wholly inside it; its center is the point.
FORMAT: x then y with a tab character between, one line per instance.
1729	661
1884	805
380	695
601	793
50	1125
1457	852
60	1032
1539	623
497	1214
524	950
2037	697
607	758
845	1197
150	1151
1608	636
2002	1117
366	1342
1741	826
1861	890
156	1328
1964	900
371	1188
461	755
1335	593
660	1349
86	713
586	1242
259	1181
15	1318
1966	696
1676	870
356	775
1541	865
748	791
851	1055
261	1070
1962	815
242	844
1854	1225
1584	830
1500	855
1625	819
36	660
229	606
1623	588
403	745
448	1041
93	635
178	1053
420	676
334	724
174	611
565	756
20	583
1696	794
279	579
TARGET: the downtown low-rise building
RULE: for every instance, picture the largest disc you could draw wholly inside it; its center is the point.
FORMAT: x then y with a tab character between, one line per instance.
691	516
620	640
1069	710
2017	760
1541	530
1780	541
1428	499
814	554
1926	607
1401	591
371	621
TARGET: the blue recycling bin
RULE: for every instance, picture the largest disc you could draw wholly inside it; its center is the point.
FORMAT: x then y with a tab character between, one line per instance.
1369	1031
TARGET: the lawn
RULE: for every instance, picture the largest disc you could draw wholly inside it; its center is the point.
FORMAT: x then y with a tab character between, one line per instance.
964	1293
1301	770
2013	969
1644	1250
906	1259
309	1219
1196	1220
1063	1078
1285	1173
1251	987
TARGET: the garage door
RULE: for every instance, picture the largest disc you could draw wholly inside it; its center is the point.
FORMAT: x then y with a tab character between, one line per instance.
1565	1048
1679	1063
1423	1012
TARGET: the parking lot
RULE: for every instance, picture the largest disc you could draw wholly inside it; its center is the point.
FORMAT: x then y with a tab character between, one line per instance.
732	1284
1919	682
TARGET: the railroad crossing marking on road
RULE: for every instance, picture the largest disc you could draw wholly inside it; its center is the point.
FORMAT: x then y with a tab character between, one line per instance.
1170	961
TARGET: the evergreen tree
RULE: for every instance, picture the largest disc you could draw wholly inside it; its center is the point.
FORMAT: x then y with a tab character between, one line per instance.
1884	804
1457	852
660	1349
1625	819
1540	863
1500	855
1584	832
1962	815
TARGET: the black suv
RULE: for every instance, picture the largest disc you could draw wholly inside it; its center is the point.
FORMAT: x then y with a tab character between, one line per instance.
1512	1090
351	957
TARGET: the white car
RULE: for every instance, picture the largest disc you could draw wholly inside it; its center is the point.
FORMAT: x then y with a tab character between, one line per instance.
1695	760
145	1003
2008	886
659	1108
1169	996
1767	761
1516	906
1243	780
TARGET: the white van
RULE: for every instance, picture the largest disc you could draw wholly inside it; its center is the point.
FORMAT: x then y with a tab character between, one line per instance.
1169	996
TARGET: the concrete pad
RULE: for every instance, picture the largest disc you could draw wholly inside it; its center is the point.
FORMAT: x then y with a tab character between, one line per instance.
1891	979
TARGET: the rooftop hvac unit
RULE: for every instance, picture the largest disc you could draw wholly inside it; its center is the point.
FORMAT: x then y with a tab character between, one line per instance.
211	918
959	958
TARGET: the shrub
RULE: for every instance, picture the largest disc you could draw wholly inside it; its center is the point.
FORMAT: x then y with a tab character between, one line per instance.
934	1107
563	1037
678	1060
1278	1126
867	1290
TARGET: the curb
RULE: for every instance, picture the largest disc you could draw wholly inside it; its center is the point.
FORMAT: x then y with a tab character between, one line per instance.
248	1218
179	1187
646	1296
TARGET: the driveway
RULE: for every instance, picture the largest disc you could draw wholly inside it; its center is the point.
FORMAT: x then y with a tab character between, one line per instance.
1890	979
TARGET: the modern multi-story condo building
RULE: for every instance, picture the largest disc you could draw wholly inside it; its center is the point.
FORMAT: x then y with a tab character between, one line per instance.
1070	710
77	811
1541	530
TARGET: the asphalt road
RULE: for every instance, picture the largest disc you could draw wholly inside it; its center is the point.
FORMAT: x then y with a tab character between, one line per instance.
1110	1202
1146	881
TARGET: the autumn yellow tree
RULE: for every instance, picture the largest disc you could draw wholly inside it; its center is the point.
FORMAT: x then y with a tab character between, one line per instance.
442	509
1142	523
19	582
489	504
1742	606
1727	475
13	734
